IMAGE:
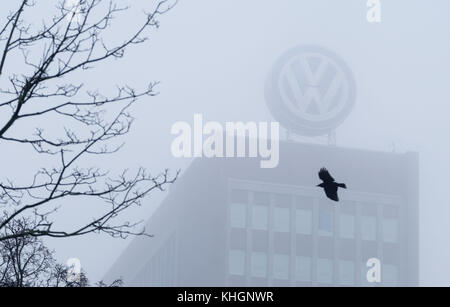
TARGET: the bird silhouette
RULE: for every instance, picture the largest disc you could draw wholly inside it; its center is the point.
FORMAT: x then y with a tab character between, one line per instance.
329	185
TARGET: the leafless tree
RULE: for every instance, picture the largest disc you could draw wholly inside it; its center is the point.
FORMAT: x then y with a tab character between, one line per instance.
115	284
26	262
71	43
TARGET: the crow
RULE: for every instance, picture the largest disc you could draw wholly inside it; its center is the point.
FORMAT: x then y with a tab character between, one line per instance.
329	185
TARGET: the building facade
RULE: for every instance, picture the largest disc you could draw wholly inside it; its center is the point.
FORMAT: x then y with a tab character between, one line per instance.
227	222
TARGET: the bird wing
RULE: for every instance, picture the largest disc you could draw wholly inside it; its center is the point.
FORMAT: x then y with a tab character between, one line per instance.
331	192
325	175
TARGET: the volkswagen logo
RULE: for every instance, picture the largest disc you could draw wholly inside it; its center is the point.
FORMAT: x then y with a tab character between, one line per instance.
310	90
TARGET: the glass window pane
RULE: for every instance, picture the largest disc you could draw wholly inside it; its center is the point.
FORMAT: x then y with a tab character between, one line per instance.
326	223
389	275
304	202
368	228
303	268
260	217
281	219
239	196
346	273
261	198
325	271
304	221
281	266
347	226
390	230
237	262
259	264
238	215
390	211
283	199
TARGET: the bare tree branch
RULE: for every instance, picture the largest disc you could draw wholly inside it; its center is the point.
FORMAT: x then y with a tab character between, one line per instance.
71	41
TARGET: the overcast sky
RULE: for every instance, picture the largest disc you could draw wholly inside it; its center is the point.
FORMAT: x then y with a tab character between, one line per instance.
213	57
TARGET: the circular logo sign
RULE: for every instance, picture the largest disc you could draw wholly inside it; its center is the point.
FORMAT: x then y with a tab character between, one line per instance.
310	90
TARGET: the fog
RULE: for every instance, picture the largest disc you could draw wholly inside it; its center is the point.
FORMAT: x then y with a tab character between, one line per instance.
213	58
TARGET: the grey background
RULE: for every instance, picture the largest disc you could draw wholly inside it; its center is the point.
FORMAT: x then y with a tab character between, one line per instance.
213	58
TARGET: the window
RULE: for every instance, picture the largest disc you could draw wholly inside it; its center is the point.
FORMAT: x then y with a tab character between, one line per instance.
260	217
325	271
261	198
259	264
304	202
325	223
390	211
389	275
236	262
281	266
238	215
281	219
369	228
390	230
283	199
303	268
304	221
346	273
347	226
239	196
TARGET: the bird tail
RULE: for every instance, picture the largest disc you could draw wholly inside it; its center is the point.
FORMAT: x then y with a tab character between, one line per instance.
342	185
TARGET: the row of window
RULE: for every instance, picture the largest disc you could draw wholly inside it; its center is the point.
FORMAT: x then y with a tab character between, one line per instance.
258	268
259	220
160	270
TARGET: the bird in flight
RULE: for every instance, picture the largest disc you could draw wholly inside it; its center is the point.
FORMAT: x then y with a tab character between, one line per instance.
329	185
